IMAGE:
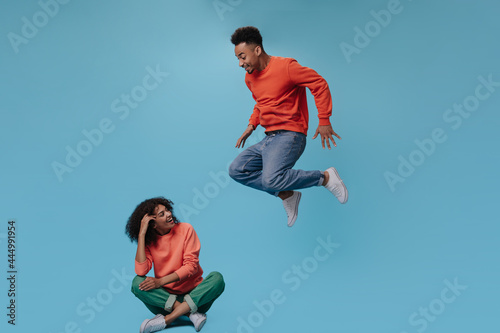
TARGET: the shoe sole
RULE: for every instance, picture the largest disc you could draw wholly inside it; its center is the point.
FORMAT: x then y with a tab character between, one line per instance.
145	322
343	185
296	213
201	325
143	325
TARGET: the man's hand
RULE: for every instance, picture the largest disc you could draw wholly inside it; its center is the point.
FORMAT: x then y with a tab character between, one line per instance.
327	133
244	137
150	283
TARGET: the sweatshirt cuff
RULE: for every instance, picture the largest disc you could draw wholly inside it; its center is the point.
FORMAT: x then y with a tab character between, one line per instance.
182	273
324	121
141	268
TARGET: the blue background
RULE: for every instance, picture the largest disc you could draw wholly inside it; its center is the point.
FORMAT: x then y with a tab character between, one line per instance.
396	245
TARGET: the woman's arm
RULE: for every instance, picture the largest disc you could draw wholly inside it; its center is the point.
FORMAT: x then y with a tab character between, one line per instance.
142	265
154	283
191	253
191	250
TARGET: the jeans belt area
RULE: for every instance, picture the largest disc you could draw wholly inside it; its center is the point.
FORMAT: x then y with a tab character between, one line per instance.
275	132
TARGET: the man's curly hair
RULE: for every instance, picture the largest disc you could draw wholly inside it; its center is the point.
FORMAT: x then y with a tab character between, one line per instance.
146	207
248	35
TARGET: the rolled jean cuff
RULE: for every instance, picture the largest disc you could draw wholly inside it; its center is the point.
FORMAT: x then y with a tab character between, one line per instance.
191	304
321	179
170	302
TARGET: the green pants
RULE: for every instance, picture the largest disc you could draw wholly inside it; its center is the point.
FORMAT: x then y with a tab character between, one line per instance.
200	299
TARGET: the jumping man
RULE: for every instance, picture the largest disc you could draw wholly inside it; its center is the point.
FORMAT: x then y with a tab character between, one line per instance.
278	87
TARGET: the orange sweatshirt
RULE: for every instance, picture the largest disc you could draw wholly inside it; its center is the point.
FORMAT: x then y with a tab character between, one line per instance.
280	93
177	252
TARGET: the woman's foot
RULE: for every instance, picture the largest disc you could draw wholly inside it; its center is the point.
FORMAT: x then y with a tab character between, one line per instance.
198	320
157	323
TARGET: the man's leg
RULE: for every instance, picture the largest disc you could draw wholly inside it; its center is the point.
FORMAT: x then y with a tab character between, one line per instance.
335	185
279	156
246	168
267	165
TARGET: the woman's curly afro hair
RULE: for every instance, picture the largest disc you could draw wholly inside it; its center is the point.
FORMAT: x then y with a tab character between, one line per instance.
146	207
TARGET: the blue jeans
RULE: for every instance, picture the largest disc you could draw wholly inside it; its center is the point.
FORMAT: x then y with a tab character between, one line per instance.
267	165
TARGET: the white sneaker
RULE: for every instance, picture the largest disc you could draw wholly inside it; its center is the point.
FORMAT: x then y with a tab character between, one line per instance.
198	320
157	323
336	185
291	205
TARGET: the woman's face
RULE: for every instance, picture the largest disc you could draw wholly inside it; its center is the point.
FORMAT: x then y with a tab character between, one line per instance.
164	221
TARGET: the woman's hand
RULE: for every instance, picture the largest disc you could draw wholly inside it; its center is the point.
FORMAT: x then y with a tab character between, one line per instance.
150	283
145	223
140	255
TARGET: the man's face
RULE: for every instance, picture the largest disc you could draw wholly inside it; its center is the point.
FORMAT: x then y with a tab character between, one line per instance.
163	220
248	55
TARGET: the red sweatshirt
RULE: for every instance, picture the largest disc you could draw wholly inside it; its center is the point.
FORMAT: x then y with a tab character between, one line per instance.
177	252
280	93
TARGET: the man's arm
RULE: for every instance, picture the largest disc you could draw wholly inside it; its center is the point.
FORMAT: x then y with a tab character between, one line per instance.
243	138
255	117
326	133
253	122
307	77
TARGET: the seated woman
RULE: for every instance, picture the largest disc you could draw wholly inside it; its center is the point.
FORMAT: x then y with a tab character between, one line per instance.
178	287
